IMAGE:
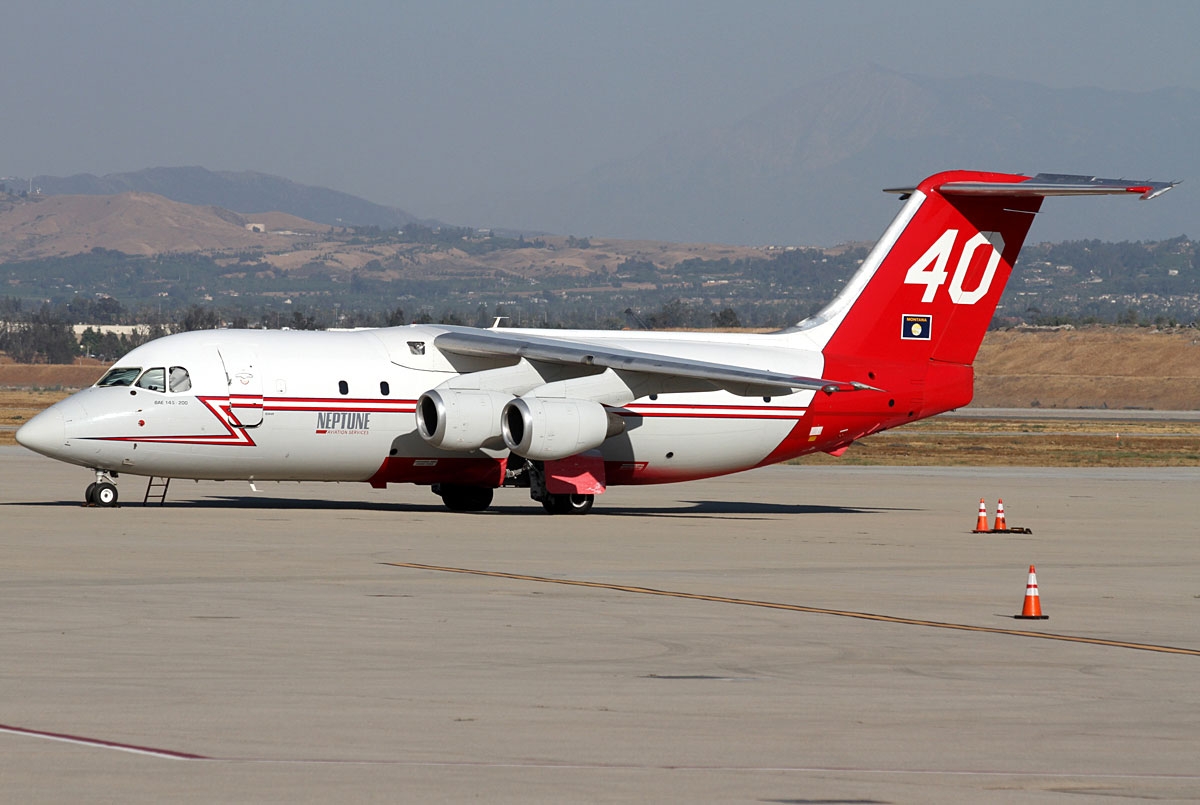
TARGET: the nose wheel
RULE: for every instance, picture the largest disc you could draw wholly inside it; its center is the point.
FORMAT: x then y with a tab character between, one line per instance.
101	492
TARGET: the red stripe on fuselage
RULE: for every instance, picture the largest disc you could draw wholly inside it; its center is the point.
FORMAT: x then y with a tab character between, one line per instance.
234	436
238	436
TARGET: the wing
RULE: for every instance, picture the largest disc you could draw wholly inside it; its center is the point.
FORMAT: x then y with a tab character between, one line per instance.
547	349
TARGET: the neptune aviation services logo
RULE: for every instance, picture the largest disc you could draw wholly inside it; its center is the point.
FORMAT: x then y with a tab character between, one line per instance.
344	423
914	327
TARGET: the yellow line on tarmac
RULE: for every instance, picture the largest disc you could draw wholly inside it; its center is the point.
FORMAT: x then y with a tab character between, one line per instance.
867	616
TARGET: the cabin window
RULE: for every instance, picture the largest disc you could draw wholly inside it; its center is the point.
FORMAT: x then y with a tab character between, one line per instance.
153	379
343	387
120	376
384	388
179	379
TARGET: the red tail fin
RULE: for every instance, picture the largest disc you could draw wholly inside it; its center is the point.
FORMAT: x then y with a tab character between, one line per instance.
913	317
936	288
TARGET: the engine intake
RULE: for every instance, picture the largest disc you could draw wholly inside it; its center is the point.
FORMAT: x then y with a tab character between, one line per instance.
547	429
461	419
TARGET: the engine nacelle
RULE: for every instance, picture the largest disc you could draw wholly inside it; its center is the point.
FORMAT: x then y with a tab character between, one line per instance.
461	419
546	429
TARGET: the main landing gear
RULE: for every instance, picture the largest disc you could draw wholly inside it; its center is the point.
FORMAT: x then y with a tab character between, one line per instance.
521	473
568	504
459	498
102	491
554	503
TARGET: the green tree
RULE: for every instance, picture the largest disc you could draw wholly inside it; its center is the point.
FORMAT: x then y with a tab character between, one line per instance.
199	318
726	318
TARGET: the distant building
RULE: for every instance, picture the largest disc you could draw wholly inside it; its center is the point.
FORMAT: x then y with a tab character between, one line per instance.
259	228
118	329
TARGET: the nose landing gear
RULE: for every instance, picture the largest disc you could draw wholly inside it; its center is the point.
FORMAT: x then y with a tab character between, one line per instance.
101	492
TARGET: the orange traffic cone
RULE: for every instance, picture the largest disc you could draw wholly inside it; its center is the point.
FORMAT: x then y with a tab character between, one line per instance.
981	525
1001	524
1033	602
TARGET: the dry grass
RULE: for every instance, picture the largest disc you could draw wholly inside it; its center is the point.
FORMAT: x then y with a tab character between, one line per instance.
49	376
998	442
1094	367
18	407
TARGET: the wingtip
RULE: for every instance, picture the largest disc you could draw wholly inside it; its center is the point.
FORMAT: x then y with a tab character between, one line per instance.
832	388
1154	191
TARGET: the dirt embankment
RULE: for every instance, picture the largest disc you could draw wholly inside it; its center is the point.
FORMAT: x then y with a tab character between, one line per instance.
48	376
1101	367
1095	367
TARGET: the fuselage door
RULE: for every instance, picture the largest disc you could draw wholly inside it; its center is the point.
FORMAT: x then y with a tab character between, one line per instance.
245	385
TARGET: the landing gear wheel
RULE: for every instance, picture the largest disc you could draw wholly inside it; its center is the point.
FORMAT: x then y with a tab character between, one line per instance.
89	495
459	498
105	494
568	504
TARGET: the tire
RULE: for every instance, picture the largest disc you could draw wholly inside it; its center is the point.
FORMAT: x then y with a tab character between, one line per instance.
569	504
105	494
465	498
89	495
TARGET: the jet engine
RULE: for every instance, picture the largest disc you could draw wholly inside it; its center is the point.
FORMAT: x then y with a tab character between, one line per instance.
460	419
547	429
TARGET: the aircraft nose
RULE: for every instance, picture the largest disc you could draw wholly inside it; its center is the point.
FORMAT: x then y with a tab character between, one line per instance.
46	433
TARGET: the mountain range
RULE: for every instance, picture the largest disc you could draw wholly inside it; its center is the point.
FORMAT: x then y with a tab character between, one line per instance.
806	169
246	192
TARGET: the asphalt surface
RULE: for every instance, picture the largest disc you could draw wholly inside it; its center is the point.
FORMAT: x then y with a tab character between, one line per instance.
790	635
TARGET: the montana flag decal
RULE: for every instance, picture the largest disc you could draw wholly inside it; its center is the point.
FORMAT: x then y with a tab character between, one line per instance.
916	327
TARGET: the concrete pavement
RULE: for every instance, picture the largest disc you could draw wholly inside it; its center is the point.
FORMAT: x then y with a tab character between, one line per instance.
234	646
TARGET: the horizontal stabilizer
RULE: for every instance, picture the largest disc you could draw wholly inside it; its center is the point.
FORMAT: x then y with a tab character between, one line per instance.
1049	184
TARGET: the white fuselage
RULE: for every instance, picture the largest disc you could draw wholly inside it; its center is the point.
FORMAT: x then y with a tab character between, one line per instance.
339	406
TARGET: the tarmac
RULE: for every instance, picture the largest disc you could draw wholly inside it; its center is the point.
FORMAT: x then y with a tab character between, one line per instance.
788	635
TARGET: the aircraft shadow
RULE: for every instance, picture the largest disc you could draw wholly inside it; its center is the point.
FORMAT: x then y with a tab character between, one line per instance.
244	502
297	504
728	509
733	507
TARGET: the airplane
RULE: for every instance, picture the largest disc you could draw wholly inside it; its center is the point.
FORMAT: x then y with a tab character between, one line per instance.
569	413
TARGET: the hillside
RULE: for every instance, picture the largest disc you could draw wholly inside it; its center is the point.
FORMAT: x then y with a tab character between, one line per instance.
146	224
134	223
144	250
247	192
1100	367
147	251
804	169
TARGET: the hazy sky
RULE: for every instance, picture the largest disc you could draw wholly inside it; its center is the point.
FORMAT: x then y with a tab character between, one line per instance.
429	105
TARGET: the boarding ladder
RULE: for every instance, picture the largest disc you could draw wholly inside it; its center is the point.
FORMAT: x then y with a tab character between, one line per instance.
156	489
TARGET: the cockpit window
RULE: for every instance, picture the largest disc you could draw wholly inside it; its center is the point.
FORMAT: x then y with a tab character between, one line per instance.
153	379
120	376
180	379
